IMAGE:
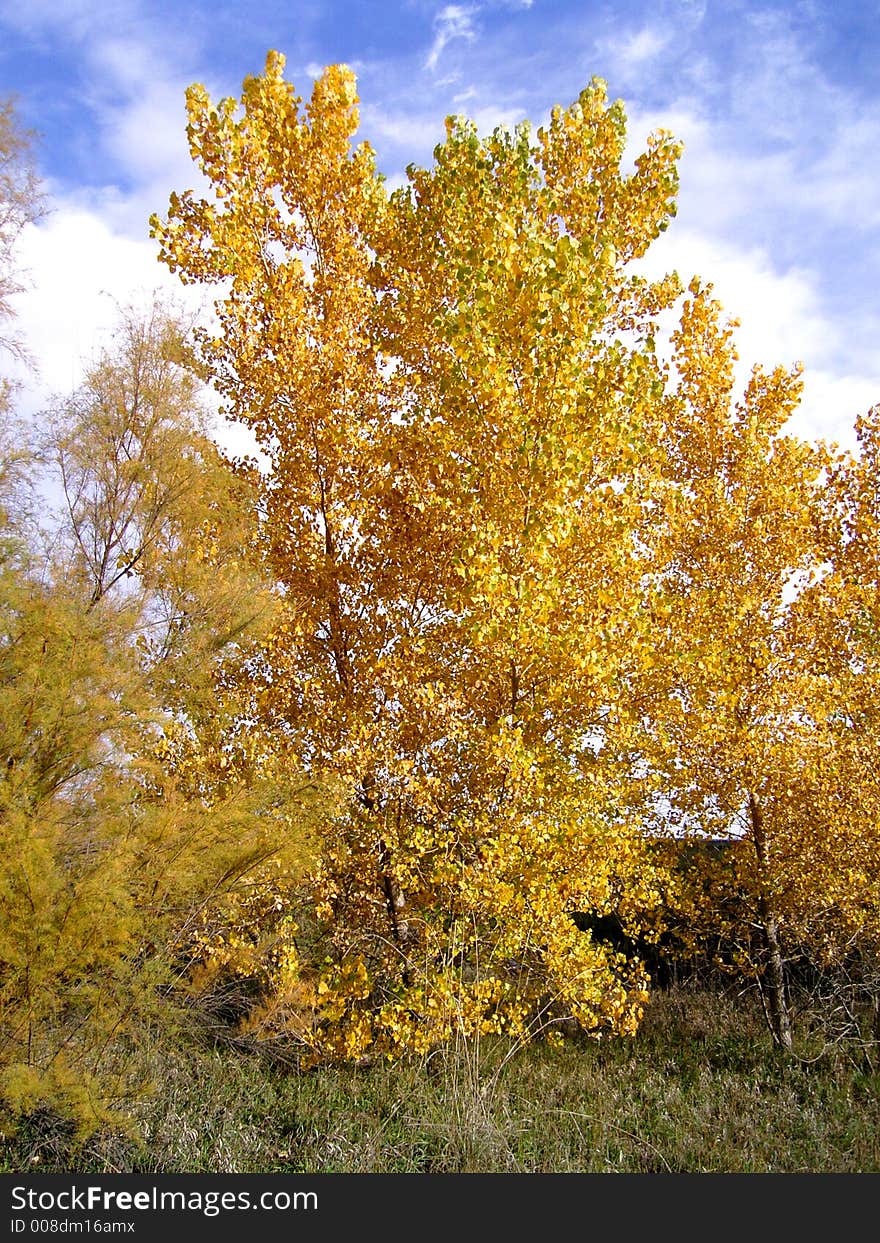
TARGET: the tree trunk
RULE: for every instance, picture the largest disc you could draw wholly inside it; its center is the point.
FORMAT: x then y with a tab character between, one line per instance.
395	900
774	978
395	903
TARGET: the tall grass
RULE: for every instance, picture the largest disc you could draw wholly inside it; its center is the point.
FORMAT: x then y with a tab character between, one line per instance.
699	1089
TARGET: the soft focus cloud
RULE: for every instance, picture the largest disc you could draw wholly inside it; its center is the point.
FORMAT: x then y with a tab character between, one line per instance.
455	21
80	273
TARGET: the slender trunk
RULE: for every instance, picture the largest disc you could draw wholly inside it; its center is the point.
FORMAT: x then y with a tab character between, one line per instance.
395	901
780	1019
777	1005
30	1022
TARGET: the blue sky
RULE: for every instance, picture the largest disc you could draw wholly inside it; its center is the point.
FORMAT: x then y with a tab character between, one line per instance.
778	105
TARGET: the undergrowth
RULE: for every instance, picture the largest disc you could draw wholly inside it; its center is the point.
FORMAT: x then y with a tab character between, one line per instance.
700	1088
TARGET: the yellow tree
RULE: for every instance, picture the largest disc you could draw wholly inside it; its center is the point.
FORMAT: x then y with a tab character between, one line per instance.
138	812
843	606
743	708
456	390
160	529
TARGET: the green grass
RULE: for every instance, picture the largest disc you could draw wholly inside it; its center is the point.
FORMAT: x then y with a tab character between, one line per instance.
699	1089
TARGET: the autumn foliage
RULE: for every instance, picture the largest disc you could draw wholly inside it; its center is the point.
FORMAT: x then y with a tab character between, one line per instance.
516	595
537	581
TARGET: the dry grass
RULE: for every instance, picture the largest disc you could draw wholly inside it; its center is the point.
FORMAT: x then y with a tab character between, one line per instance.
699	1089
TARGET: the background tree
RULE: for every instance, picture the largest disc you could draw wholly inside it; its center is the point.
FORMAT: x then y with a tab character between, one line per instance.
745	708
141	817
843	600
21	203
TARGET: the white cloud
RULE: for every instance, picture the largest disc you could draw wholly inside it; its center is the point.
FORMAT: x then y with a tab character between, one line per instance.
134	84
642	46
139	103
782	322
146	135
831	403
92	254
78	17
79	272
843	183
455	21
781	319
404	129
491	118
623	56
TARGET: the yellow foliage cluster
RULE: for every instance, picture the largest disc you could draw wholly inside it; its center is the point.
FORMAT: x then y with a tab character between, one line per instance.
452	388
544	591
